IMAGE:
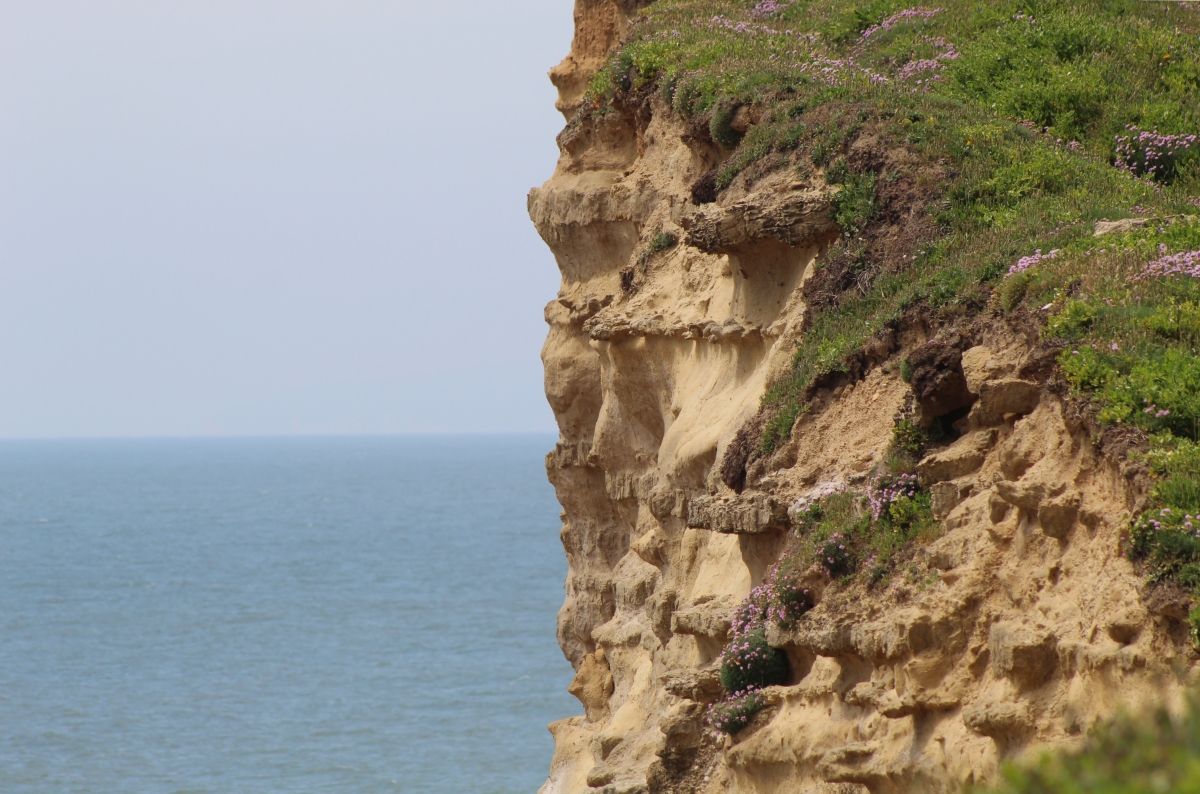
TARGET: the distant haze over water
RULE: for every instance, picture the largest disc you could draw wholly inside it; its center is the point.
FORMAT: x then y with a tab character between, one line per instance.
279	615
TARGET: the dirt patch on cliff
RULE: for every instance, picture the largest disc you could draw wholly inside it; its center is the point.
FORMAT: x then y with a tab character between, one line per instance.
905	185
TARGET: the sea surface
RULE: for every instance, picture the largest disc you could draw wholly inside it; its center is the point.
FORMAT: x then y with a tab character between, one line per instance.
344	615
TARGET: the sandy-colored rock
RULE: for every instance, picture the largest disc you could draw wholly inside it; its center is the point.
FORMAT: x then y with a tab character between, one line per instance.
1058	515
593	684
710	619
980	364
961	458
1008	396
1120	226
1025	655
1027	496
747	514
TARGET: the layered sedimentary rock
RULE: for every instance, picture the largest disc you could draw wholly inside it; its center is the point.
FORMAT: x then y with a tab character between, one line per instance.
1018	628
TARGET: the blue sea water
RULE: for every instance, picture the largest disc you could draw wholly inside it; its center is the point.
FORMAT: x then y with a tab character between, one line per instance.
279	615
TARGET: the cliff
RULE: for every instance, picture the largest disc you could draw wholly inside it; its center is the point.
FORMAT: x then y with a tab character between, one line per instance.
922	652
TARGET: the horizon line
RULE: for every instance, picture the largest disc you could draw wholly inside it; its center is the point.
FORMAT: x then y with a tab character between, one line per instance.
281	436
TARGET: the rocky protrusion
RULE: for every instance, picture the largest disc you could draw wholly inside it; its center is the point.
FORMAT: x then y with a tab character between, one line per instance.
937	379
793	218
710	619
961	458
998	719
702	686
593	685
1027	496
1008	396
945	496
747	514
1058	515
979	364
1024	655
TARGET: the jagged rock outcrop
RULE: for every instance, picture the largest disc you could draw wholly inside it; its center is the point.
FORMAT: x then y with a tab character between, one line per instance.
1019	627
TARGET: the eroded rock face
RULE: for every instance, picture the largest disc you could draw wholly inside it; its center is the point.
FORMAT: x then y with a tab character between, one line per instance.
1018	628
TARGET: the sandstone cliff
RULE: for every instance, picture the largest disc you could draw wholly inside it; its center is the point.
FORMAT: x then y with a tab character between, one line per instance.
1018	626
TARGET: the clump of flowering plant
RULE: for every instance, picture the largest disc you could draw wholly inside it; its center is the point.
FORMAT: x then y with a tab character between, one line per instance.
735	712
885	490
1169	541
1026	262
908	15
1181	264
834	556
786	599
767	8
749	662
1150	153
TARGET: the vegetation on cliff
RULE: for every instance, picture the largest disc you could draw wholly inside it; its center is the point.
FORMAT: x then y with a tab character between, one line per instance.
975	146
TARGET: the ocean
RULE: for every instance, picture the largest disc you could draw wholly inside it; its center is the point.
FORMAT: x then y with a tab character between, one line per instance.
291	615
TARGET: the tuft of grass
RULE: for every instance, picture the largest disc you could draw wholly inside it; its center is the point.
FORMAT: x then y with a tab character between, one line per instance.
721	125
855	205
661	241
779	427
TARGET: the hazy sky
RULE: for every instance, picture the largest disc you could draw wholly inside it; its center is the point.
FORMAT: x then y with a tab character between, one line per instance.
264	217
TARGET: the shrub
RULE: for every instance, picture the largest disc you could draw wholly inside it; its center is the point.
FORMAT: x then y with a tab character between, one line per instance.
909	513
1176	321
837	172
663	241
1158	390
833	555
1175	463
1074	317
721	125
1151	154
885	489
908	439
855	204
786	599
779	428
1012	290
749	663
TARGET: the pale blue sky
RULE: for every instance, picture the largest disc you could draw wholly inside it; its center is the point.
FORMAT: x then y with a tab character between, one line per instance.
263	217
